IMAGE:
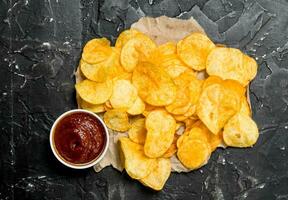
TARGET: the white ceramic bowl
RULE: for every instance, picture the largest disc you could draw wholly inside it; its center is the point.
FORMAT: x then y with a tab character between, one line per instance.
84	165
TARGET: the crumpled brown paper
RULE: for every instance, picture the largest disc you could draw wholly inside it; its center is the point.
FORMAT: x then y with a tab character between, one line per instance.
161	30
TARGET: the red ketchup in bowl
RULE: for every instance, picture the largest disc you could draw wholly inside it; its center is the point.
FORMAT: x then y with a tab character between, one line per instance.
79	138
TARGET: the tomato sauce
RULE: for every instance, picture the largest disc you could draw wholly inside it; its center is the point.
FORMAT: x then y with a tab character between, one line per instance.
79	138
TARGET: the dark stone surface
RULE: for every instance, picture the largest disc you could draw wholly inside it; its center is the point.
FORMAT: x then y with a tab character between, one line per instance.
40	46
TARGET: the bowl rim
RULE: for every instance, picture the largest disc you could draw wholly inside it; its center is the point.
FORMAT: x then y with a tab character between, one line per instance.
84	165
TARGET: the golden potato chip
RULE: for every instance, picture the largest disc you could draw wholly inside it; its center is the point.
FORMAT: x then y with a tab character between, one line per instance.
94	43
216	105
245	108
93	72
160	133
154	85
137	132
125	36
109	68
96	50
96	108
117	120
215	140
191	110
136	164
194	153
195	89
181	103
137	108
194	49
240	131
166	57
113	68
94	93
159	175
230	63
196	133
191	87
186	93
135	50
124	94
172	149
234	86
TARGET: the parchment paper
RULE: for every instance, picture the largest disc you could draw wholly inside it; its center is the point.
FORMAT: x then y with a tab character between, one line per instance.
161	30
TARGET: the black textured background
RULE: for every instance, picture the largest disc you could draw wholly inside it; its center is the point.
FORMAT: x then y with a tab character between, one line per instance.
40	46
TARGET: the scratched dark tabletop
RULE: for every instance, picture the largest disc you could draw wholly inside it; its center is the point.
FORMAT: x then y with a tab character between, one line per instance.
40	46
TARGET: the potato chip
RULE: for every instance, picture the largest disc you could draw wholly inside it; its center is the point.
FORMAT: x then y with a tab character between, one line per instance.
94	93
172	149
137	132
96	108
93	72
234	86
160	133
154	85
214	140
181	103
137	108
109	68
96	50
216	105
191	110
186	94
125	36
240	131
159	175
113	68
136	164
166	57
230	63
194	153
195	89
94	43
245	108
194	49
135	50
117	120
124	94
196	133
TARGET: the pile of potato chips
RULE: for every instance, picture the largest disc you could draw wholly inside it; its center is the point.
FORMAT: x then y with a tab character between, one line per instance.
152	91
